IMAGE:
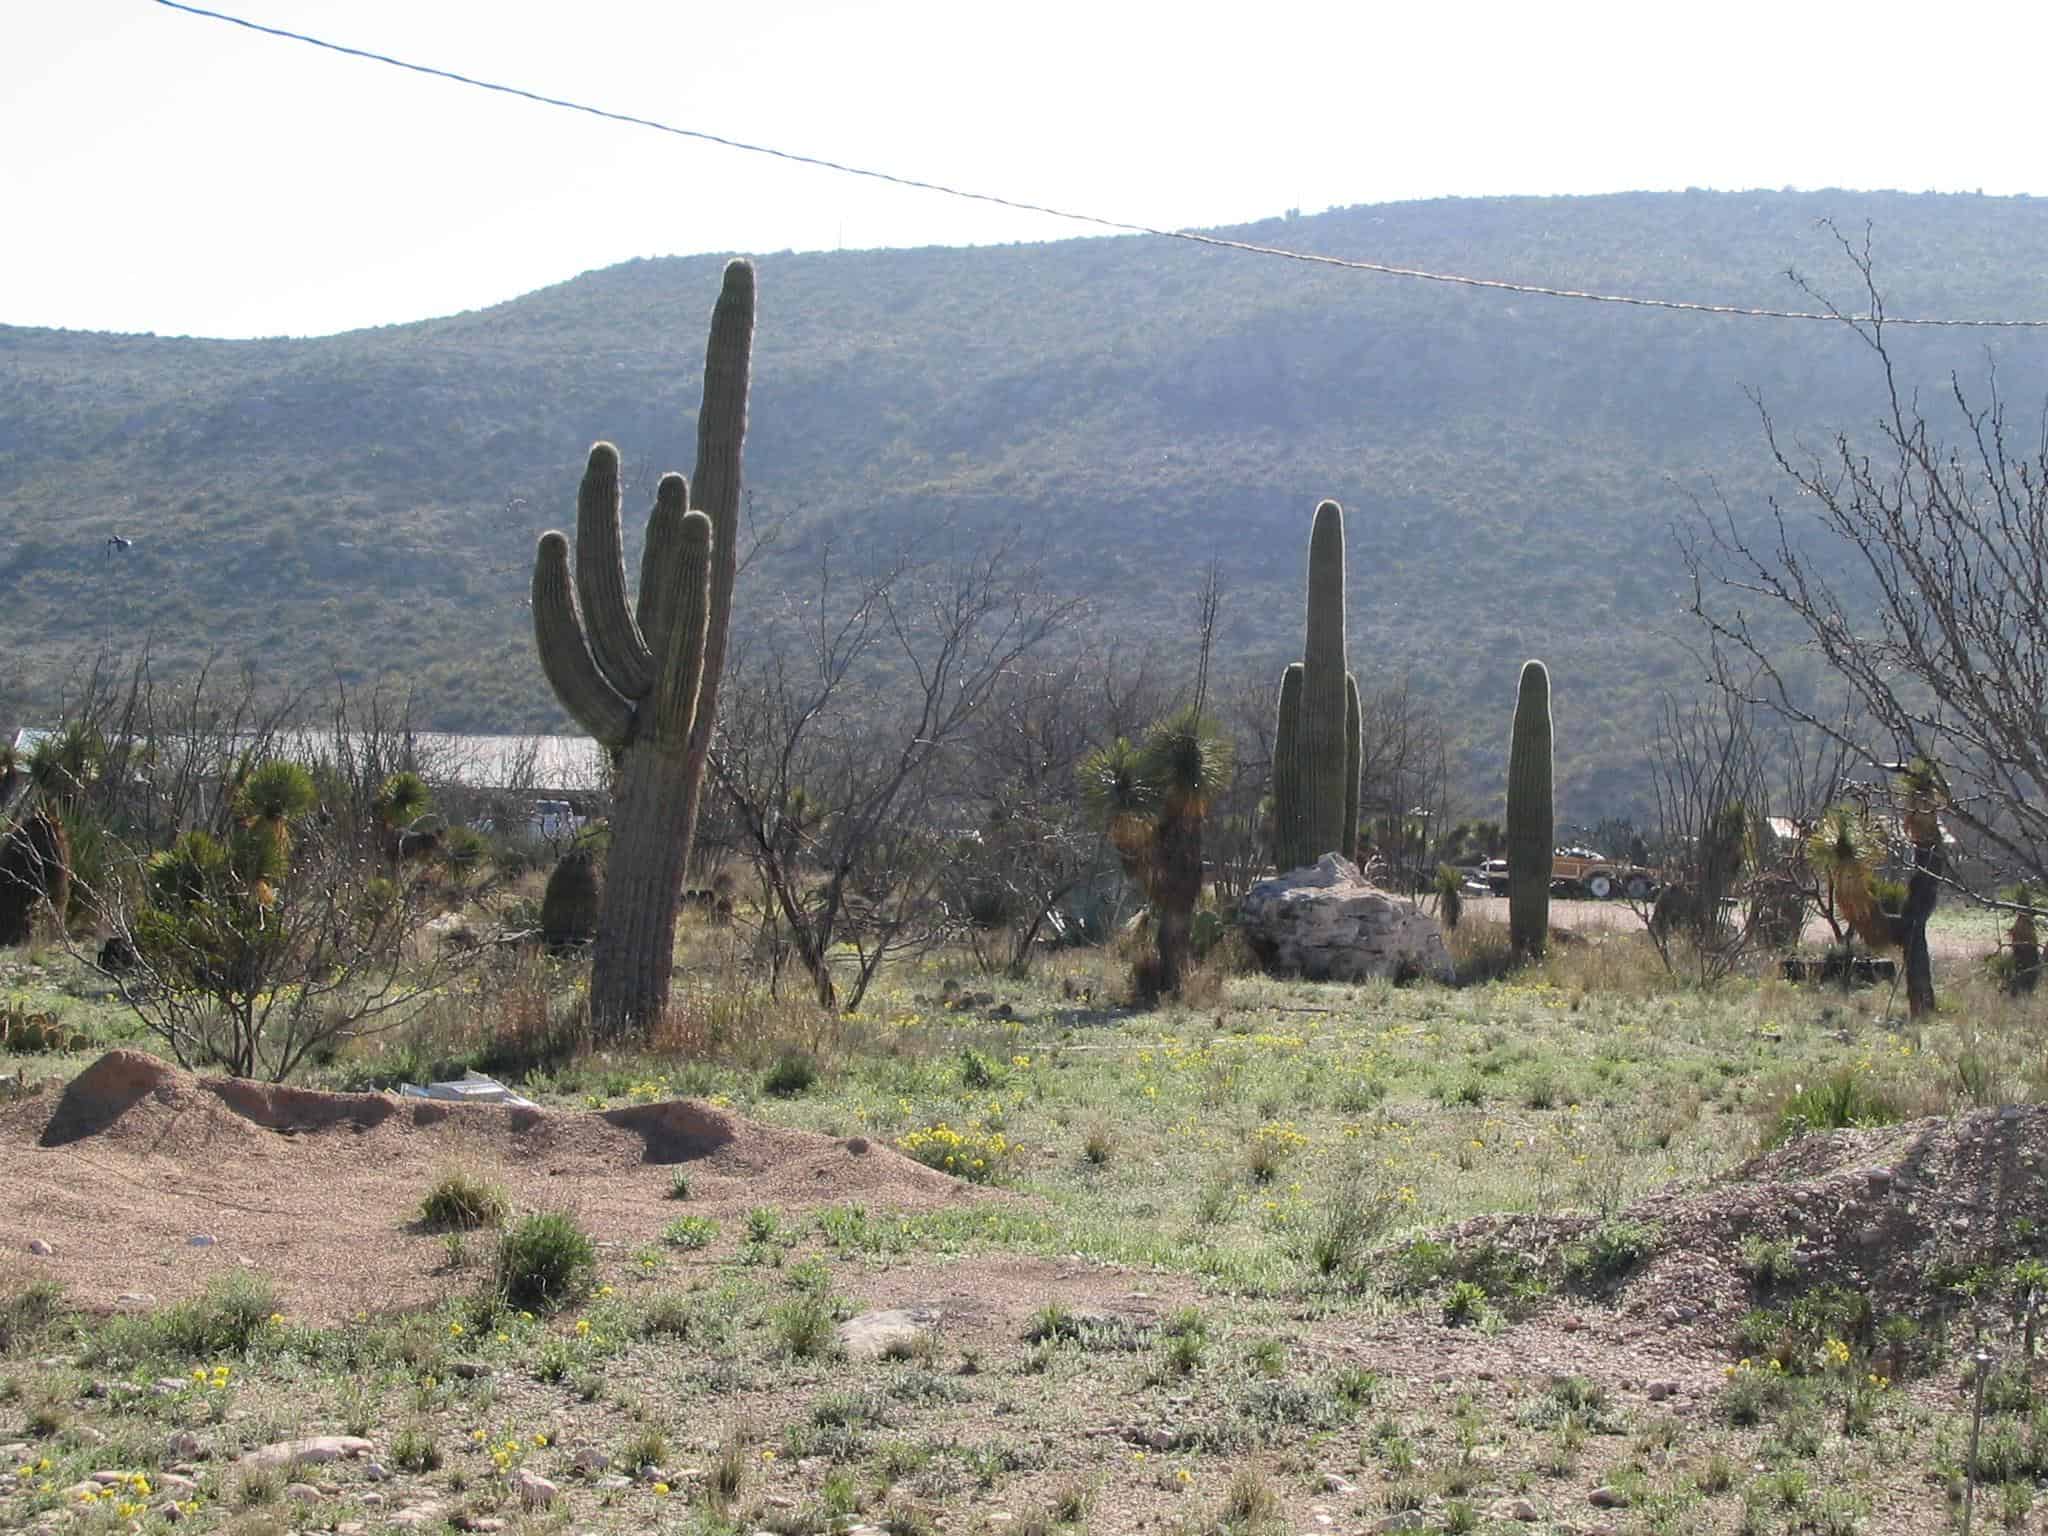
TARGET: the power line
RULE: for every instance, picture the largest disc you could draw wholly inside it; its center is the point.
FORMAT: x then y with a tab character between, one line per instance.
1311	258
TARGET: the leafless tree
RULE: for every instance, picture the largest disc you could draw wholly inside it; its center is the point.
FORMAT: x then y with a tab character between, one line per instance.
1941	629
841	721
1404	780
1914	568
1029	847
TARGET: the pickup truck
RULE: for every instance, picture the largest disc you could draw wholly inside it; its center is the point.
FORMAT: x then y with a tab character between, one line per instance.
1581	869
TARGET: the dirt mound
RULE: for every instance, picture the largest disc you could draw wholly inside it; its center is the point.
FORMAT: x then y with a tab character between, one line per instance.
146	1179
1876	1211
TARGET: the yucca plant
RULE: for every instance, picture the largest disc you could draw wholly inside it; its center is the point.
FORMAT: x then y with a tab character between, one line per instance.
1844	852
1151	802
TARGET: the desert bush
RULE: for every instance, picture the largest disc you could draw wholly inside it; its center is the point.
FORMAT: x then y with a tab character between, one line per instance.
1847	1099
545	1262
460	1201
793	1075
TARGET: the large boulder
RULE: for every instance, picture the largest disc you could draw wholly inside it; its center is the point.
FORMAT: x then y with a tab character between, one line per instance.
1327	922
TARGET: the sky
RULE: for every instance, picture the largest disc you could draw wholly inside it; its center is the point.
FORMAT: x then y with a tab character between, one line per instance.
167	173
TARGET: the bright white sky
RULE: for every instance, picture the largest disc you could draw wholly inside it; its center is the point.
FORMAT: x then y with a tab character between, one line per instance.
163	172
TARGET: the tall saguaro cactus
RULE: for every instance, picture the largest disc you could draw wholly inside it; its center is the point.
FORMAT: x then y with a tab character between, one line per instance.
1531	828
644	680
1316	746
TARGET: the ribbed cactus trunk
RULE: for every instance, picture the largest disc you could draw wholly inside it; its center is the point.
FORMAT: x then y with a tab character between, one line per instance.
1316	747
1531	828
643	680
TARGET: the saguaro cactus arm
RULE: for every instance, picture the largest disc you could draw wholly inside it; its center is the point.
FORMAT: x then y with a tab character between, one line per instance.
565	656
615	640
675	703
1353	754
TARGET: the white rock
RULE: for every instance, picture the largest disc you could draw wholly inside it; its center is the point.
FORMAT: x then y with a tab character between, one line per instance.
1328	923
874	1335
535	1491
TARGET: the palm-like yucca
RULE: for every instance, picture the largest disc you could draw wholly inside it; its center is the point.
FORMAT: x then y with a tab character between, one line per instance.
272	796
402	800
1152	801
1122	800
1844	852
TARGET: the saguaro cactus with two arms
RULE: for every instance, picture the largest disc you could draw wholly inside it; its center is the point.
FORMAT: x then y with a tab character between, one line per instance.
1316	743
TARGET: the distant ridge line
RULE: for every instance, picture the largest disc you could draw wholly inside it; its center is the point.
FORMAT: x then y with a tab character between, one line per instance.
1503	285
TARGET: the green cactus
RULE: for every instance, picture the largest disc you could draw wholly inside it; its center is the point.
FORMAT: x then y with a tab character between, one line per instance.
644	680
1531	824
1316	746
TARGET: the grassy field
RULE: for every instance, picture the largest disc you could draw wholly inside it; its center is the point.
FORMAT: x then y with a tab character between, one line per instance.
1242	1267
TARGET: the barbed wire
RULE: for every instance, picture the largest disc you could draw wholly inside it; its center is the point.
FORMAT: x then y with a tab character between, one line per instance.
1124	226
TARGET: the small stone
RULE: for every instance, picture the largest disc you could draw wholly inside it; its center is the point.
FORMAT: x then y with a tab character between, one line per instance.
201	1240
1607	1498
318	1448
1515	1509
535	1491
302	1493
41	1249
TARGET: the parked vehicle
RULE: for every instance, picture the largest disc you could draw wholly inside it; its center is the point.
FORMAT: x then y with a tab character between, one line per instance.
1582	871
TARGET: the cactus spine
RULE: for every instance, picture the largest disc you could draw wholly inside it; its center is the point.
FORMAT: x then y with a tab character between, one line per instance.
1316	746
1531	828
644	680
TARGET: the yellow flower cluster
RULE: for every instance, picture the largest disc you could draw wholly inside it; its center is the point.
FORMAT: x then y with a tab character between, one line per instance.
217	1378
976	1154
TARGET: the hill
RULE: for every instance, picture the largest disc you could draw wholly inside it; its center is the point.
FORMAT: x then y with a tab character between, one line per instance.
367	503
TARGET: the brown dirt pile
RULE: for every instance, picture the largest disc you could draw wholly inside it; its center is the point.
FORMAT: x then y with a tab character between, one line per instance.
133	1159
1874	1211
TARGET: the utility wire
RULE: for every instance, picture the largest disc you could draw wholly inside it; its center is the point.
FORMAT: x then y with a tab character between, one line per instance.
1348	264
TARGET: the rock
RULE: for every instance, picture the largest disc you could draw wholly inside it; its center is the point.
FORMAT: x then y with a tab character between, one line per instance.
534	1491
176	1482
200	1240
41	1249
1406	1520
894	1331
317	1448
1515	1509
414	1514
302	1493
1327	923
1608	1498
